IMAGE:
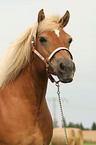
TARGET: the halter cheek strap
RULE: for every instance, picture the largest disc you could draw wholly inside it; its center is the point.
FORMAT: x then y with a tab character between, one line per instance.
46	61
38	54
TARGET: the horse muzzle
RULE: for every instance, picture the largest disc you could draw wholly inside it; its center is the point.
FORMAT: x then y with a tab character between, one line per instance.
64	68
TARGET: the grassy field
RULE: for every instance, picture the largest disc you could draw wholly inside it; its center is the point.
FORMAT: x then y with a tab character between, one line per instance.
89	144
85	144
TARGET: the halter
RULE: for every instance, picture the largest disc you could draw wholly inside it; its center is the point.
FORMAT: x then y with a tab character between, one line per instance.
46	61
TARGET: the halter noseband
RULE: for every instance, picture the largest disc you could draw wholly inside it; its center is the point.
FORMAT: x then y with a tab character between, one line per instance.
46	61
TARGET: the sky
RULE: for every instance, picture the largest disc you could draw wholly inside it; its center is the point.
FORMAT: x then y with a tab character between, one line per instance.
79	97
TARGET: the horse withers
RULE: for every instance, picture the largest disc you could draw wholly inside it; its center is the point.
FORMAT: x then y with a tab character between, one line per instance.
42	50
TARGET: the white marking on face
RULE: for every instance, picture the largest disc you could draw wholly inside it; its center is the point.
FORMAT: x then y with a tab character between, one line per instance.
57	32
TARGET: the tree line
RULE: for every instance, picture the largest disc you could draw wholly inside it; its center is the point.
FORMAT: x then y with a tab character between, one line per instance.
76	125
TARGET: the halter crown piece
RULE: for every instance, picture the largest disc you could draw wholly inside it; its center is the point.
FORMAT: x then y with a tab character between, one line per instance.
46	61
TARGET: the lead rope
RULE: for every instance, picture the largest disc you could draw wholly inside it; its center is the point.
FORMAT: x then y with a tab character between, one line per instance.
61	110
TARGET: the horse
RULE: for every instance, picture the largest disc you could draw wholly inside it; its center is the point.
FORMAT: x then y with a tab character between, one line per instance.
39	53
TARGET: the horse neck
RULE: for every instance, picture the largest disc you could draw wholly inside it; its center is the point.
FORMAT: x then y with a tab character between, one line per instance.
33	83
39	81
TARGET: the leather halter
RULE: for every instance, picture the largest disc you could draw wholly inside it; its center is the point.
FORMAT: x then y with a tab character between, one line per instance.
46	61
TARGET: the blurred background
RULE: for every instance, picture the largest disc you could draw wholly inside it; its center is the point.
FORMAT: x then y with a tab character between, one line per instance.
78	97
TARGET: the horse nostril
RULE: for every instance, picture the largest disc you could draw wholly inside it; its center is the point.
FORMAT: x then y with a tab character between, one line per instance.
70	40
62	66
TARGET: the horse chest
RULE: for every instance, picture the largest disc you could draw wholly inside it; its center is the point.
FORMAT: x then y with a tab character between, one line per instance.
26	129
25	137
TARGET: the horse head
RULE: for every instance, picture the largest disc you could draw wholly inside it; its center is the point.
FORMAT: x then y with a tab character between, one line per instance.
52	42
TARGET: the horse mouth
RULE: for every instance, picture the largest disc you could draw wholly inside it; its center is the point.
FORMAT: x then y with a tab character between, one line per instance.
66	80
63	77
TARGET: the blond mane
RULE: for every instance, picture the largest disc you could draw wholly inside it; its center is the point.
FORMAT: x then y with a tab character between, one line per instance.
18	54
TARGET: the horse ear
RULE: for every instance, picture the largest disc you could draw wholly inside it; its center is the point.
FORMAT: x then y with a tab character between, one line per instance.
41	15
65	19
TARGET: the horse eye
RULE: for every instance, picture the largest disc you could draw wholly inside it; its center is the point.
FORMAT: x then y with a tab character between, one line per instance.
42	39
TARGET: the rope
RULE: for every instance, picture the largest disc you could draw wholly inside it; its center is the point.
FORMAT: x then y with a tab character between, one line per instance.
61	110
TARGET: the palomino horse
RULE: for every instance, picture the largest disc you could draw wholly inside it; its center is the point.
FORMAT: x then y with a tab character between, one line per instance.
24	116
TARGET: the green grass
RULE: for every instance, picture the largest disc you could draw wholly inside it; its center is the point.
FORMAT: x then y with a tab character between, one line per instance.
85	143
89	144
